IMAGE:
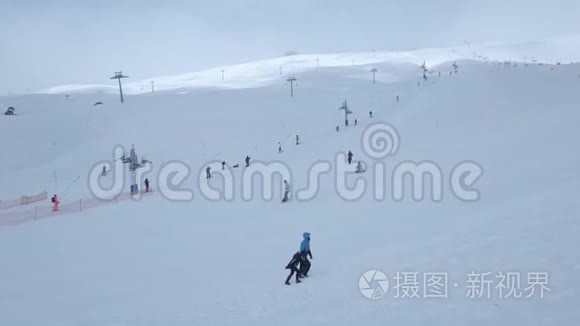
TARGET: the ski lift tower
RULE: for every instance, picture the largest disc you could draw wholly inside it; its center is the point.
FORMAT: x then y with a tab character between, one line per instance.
134	164
374	71
118	76
291	80
346	112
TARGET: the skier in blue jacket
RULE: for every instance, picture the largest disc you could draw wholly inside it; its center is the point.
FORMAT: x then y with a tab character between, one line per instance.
305	253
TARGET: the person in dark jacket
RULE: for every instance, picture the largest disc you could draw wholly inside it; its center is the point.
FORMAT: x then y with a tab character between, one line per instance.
293	267
286	191
305	253
350	155
146	185
247	161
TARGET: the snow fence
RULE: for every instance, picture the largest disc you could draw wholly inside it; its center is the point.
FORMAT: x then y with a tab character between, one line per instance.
24	200
38	212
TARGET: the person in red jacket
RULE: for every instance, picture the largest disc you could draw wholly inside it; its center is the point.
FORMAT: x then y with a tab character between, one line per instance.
55	203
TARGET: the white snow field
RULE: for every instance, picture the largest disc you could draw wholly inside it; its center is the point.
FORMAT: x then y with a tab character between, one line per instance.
160	262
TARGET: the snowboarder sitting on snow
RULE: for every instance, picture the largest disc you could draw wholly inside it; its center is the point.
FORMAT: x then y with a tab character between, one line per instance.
305	253
359	168
293	267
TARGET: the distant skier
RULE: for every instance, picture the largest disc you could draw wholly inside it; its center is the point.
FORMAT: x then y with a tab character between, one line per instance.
359	167
104	173
305	253
297	140
350	155
337	129
293	267
247	161
146	185
398	98
208	172
223	165
370	114
279	147
55	203
286	191
355	122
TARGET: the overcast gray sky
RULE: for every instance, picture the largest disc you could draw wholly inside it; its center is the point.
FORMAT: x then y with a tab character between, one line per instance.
52	42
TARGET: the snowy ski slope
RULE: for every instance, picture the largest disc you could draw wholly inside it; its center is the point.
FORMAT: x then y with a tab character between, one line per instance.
161	262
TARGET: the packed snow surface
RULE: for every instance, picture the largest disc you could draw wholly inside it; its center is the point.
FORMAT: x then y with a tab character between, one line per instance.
158	261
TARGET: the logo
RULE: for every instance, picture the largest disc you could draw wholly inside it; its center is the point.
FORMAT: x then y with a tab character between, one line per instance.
373	284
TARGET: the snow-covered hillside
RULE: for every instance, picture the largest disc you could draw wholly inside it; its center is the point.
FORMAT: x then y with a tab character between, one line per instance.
268	72
161	262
